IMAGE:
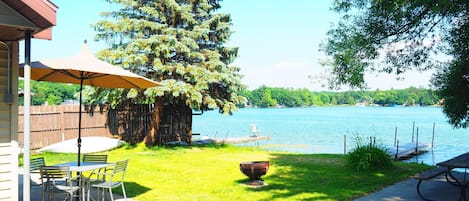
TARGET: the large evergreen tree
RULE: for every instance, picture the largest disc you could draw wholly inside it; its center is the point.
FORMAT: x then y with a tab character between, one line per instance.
179	43
397	35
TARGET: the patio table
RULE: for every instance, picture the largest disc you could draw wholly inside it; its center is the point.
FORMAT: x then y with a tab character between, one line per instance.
461	161
84	167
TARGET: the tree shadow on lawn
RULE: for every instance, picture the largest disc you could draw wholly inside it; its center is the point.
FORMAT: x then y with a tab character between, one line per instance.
178	146
308	177
133	189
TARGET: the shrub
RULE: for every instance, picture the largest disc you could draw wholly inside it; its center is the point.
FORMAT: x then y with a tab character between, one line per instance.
368	157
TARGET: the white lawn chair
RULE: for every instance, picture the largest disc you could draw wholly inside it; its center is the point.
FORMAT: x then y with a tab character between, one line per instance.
255	132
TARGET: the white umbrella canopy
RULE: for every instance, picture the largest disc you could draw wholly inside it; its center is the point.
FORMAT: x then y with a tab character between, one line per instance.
85	69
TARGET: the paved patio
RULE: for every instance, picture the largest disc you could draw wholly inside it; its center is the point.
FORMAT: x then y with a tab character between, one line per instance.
36	190
435	189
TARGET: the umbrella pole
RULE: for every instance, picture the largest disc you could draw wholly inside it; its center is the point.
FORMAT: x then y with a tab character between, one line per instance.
79	122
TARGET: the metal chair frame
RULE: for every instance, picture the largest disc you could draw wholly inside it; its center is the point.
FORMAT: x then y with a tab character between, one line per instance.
57	179
113	179
95	158
34	165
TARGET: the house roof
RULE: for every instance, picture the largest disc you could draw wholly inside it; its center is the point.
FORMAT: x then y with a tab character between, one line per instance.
19	15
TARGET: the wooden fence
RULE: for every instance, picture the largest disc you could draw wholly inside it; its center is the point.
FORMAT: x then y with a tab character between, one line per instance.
52	124
131	122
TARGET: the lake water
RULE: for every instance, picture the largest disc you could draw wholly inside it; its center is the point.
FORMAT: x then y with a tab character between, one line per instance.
322	129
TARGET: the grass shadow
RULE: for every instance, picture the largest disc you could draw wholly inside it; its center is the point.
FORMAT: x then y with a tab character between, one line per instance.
323	177
302	177
132	189
182	146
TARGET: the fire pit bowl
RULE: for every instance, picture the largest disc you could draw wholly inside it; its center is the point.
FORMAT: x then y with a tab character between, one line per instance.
254	170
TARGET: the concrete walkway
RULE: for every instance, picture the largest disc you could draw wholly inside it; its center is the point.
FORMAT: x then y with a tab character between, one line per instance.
436	189
36	190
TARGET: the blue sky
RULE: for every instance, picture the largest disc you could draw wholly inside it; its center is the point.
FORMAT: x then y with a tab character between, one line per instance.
278	40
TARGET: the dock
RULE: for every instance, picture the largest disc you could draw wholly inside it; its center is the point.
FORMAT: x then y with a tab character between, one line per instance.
241	140
409	150
255	136
231	140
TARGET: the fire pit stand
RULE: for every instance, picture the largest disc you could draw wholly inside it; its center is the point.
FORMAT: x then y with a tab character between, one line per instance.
254	170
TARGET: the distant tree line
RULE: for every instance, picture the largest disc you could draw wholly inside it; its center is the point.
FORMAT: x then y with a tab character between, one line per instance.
49	93
286	97
55	93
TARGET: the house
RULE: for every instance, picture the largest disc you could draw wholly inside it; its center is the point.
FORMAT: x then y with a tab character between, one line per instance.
19	20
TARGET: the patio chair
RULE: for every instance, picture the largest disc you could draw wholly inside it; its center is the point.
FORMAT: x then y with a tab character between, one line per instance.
112	179
88	158
255	132
92	177
57	179
95	158
34	169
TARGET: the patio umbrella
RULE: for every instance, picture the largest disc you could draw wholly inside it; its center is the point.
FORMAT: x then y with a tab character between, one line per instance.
85	69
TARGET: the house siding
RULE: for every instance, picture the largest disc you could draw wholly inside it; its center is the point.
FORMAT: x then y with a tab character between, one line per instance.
9	125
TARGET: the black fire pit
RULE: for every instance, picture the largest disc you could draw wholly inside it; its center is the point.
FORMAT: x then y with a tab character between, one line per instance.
254	170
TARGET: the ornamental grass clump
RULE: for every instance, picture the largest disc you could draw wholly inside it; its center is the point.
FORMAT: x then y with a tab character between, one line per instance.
368	156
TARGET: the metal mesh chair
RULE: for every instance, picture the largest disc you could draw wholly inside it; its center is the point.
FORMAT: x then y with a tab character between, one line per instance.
112	179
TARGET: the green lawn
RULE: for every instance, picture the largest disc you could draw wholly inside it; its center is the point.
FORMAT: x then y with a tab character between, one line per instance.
212	173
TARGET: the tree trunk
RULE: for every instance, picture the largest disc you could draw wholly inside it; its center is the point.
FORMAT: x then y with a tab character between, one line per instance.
170	122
